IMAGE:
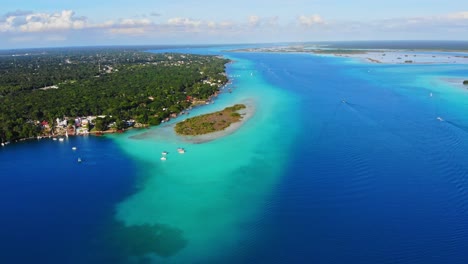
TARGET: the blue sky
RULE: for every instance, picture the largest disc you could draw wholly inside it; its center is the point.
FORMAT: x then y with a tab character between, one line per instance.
32	23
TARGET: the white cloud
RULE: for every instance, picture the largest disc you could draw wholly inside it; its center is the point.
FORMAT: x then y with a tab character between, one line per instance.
226	24
7	25
40	22
181	22
309	21
459	15
211	24
273	21
65	21
254	21
135	22
128	31
58	26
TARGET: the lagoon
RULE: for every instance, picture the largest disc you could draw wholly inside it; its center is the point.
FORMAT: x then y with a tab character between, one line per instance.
343	161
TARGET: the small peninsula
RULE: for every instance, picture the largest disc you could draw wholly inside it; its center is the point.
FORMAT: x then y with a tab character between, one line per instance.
94	90
211	122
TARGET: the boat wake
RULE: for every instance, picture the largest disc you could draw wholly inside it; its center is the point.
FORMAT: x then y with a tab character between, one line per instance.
456	125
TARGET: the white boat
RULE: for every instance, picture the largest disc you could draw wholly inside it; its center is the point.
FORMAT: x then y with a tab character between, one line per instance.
164	153
163	158
54	139
73	148
181	150
60	139
3	144
79	159
440	118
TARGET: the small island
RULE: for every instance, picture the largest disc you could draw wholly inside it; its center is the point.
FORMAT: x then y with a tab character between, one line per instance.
211	122
465	82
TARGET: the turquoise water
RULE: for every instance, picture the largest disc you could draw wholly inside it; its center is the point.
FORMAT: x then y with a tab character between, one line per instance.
342	162
215	192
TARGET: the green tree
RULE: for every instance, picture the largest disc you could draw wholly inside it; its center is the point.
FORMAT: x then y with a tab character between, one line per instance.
99	124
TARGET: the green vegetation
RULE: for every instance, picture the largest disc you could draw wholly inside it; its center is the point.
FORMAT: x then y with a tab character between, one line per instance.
465	82
209	123
337	51
118	83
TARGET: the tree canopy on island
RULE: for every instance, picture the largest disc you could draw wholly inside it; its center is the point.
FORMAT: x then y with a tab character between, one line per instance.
211	122
125	84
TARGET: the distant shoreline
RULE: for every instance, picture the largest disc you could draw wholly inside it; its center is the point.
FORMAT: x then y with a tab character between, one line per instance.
409	57
384	56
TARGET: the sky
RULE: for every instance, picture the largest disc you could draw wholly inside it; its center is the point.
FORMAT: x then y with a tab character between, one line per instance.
58	23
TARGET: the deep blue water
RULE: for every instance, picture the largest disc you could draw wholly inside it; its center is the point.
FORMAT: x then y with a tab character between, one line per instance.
54	209
374	179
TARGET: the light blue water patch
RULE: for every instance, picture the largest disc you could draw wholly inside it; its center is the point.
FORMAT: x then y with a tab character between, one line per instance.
215	192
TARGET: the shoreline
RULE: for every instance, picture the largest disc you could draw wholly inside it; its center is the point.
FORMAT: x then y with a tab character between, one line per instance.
408	57
196	104
167	132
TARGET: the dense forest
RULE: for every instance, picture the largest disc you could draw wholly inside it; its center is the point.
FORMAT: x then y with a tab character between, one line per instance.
118	82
